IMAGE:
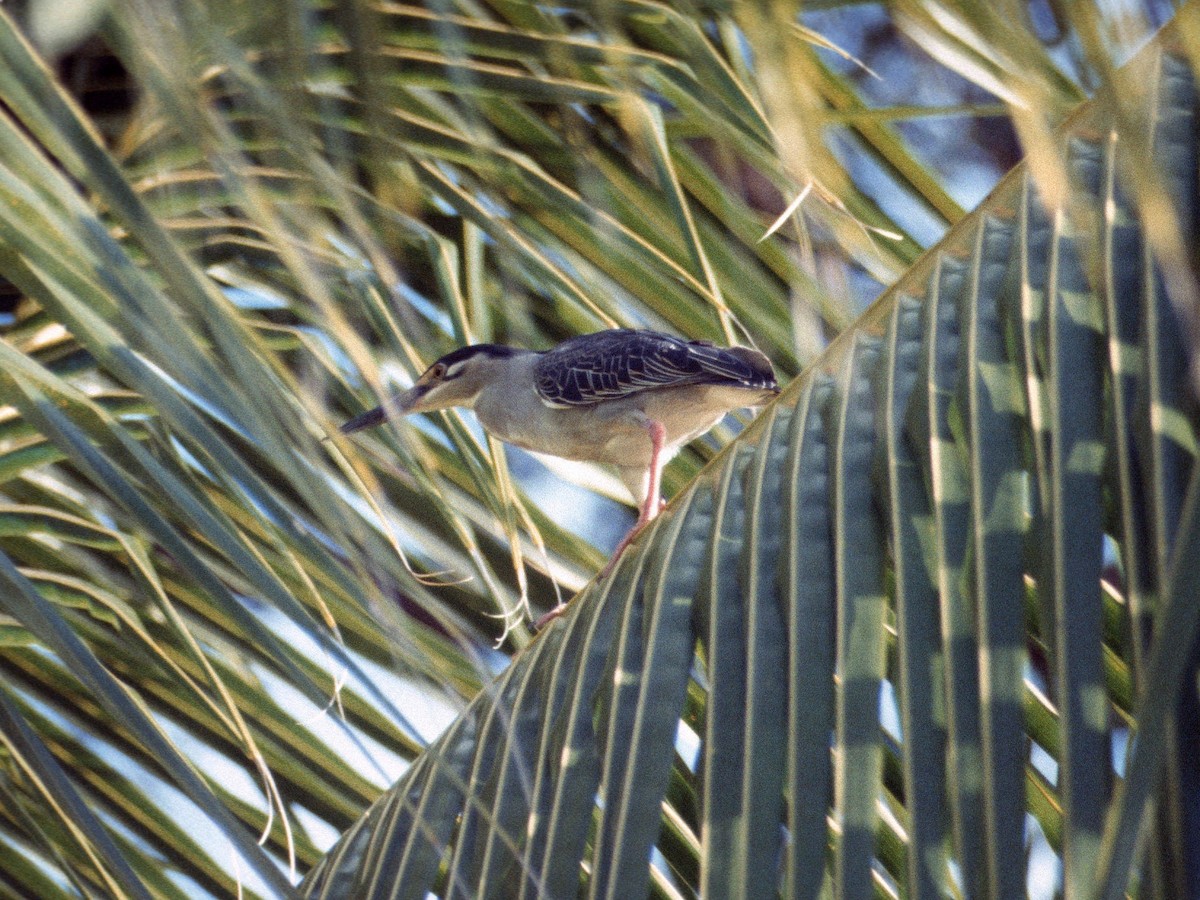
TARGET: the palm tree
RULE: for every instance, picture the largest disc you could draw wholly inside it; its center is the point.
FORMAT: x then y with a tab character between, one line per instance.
959	551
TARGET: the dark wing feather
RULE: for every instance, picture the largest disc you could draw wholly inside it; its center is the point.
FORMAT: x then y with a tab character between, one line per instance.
613	364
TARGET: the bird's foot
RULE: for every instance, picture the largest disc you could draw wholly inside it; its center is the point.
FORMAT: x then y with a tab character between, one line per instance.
651	506
629	538
604	573
549	617
608	566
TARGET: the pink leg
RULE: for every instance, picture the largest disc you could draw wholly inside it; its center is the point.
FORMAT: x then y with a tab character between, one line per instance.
651	504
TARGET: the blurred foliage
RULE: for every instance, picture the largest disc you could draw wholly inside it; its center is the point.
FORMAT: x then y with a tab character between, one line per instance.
228	226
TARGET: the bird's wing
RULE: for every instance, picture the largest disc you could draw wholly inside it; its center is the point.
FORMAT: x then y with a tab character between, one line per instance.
613	364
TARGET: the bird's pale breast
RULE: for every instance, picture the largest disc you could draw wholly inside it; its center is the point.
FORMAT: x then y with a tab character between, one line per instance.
612	432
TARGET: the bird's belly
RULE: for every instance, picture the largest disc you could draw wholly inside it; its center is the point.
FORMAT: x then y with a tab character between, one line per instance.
576	434
613	432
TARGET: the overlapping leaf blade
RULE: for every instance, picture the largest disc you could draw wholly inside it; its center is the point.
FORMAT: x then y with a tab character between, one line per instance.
981	411
196	417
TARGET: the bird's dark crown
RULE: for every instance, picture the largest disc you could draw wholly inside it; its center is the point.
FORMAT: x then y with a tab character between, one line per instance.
496	351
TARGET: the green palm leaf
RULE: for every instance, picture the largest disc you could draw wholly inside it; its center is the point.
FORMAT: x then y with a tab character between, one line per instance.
222	622
957	451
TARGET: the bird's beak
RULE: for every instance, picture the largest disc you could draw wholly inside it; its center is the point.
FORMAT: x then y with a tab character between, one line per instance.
400	405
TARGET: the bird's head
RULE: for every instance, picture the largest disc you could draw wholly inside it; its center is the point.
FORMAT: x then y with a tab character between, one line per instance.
454	380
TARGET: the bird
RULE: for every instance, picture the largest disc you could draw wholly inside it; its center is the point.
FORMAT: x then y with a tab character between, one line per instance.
628	398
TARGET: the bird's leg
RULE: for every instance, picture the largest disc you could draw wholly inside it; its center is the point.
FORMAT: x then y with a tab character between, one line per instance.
651	504
653	501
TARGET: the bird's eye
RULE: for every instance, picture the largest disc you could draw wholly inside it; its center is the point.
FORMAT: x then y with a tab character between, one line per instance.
438	370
